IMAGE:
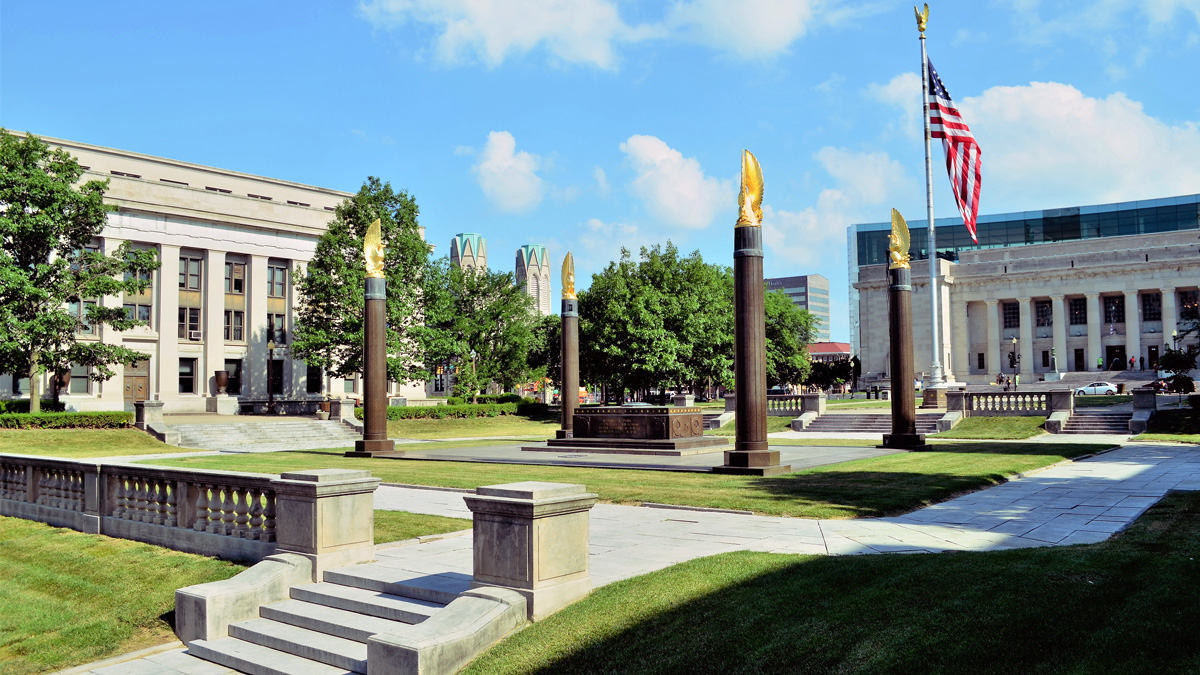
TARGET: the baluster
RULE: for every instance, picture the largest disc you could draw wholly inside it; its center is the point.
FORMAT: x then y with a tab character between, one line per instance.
160	501
43	487
269	518
228	513
243	514
143	500
172	505
118	483
256	511
76	491
215	506
134	511
201	522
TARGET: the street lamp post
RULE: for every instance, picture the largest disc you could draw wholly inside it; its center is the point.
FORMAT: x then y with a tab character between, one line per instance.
1016	362
474	384
270	367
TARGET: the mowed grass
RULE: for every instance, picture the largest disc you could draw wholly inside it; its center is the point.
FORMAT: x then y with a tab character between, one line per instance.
1005	428
1102	401
400	525
877	486
81	443
1127	605
70	598
502	425
857	404
774	424
1179	426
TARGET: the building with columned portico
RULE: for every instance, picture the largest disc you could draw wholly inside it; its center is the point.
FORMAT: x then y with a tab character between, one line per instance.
1080	289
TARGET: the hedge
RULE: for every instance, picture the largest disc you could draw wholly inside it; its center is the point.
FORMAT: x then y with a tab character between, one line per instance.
22	406
73	420
490	398
438	412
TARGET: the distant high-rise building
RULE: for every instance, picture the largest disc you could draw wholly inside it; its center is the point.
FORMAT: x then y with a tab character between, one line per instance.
810	292
533	271
469	251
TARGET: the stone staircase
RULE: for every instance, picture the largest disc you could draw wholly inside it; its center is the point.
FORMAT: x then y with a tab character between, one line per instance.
266	436
1098	421
870	423
324	627
715	421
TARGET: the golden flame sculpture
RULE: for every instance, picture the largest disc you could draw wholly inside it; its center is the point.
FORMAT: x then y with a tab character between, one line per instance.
568	277
751	195
922	18
898	243
373	250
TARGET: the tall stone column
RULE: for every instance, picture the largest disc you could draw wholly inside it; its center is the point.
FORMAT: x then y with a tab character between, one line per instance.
904	412
254	369
214	321
1169	314
995	363
1133	329
1058	320
375	438
166	385
111	392
569	344
1026	332
959	337
1094	323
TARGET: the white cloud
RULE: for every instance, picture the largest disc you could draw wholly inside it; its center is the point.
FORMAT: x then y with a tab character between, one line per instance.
464	150
673	187
904	92
602	186
756	31
1047	145
509	179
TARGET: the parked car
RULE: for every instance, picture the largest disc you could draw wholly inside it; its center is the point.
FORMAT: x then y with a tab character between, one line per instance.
1095	388
1161	386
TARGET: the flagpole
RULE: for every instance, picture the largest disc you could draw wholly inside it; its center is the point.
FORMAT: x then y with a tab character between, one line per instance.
935	368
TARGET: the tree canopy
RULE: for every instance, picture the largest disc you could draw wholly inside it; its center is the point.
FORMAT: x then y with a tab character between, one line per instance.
789	332
52	276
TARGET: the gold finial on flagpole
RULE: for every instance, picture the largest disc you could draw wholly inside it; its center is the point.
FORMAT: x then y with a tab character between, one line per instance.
373	250
751	195
568	277
922	18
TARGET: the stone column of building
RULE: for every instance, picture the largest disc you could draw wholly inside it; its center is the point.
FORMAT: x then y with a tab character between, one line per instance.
949	356
1169	313
1059	321
994	362
959	334
112	390
1094	318
254	377
299	381
166	380
214	322
1026	336
1133	328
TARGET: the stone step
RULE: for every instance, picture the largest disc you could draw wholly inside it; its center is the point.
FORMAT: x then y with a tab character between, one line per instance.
377	603
434	588
248	657
308	644
330	620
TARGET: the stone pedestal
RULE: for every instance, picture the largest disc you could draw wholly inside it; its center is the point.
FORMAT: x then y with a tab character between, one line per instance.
147	413
222	404
532	538
932	398
637	430
904	434
375	398
683	400
327	516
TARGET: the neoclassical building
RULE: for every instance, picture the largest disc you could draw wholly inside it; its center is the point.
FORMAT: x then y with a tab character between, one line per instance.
229	244
1080	289
533	272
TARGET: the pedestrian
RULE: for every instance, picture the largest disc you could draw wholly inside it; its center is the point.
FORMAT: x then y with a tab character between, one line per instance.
1142	359
999	378
1131	362
1099	363
1016	381
1005	384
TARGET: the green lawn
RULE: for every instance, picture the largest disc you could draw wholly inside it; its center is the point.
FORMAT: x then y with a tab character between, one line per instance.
72	598
856	404
401	525
773	424
503	425
1180	426
1128	605
1006	428
1102	401
869	487
78	443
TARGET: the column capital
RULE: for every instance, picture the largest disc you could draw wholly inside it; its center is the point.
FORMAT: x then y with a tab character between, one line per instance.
1024	300
1058	297
1131	293
992	303
1091	295
1167	290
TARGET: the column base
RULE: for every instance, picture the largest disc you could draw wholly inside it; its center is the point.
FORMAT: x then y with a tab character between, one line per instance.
905	442
365	448
564	433
753	463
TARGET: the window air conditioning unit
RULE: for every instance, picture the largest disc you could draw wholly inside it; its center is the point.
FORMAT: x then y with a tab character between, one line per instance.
195	335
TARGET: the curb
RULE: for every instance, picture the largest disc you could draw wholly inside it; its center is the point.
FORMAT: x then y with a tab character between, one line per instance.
123	658
703	509
422	540
429	487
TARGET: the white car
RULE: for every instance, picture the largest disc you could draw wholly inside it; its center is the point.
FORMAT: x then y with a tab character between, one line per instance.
1097	388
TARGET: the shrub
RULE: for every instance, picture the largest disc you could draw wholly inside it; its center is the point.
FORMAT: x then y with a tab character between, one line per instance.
74	420
1194	402
22	406
454	400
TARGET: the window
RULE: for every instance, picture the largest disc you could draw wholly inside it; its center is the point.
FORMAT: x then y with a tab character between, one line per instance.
1114	309
234	367
1044	312
79	310
1189	305
187	376
1151	306
136	312
217	189
189	321
1012	315
234	325
275	379
277	328
189	273
314	380
235	278
276	281
142	275
348	385
1078	311
980	363
79	379
1045	358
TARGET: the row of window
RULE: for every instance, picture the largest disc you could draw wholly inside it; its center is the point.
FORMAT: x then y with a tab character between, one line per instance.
191	277
1114	309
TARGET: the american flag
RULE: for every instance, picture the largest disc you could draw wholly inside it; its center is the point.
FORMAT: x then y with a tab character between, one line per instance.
962	152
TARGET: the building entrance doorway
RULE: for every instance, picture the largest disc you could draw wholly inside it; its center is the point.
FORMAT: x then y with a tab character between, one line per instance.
137	382
1114	358
1152	357
1080	361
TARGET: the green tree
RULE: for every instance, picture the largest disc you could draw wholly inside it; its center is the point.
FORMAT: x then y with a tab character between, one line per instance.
49	267
480	321
826	374
789	332
545	350
330	321
1179	362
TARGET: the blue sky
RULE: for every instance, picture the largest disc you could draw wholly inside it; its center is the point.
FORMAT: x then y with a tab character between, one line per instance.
592	124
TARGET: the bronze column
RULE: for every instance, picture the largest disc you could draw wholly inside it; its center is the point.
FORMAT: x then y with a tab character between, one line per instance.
904	414
375	401
570	366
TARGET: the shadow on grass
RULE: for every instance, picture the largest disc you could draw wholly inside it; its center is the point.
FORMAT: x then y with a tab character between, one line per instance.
1063	450
867	494
1128	605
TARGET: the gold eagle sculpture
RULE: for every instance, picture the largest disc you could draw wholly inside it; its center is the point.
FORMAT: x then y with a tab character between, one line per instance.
751	195
922	18
898	243
568	277
373	250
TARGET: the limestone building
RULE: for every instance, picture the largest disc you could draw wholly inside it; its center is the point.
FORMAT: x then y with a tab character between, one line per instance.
810	292
229	244
533	272
1079	289
469	251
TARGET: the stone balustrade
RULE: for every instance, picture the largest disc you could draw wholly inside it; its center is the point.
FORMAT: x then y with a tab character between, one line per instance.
1009	404
784	405
226	514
